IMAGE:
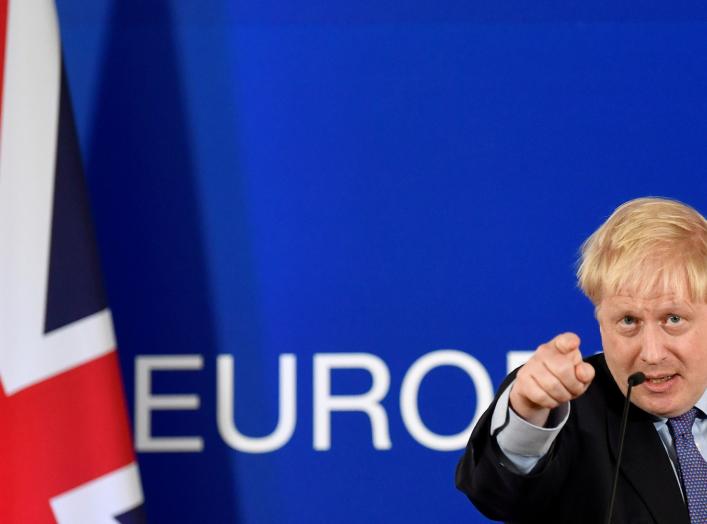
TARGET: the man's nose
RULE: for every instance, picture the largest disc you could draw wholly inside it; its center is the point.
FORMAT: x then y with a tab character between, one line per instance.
653	349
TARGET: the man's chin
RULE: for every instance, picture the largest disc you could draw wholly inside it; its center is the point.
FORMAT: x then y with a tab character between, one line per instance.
662	407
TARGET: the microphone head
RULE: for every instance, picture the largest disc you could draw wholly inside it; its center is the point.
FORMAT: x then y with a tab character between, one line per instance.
636	379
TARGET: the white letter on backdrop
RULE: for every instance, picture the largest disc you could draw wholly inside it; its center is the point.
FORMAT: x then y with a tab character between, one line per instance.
411	386
287	418
146	402
369	402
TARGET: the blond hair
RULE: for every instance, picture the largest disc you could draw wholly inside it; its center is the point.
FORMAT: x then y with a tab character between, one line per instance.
648	245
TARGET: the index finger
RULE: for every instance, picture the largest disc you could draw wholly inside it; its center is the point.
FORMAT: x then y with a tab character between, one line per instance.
566	343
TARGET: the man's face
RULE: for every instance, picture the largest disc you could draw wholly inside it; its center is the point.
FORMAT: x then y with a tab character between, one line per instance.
665	337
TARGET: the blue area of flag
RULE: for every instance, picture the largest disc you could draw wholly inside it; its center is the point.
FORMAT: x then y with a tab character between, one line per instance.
134	516
74	286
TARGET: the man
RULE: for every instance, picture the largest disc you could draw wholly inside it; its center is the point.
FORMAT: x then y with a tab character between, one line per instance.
545	451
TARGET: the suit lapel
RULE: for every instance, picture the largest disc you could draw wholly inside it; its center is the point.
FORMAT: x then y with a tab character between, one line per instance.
646	466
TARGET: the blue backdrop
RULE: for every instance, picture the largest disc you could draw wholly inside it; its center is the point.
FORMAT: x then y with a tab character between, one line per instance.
389	179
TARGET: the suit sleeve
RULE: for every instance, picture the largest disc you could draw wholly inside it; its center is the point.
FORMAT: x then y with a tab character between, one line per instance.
495	484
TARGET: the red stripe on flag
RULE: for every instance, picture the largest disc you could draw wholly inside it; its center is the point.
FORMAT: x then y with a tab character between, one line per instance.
59	434
3	39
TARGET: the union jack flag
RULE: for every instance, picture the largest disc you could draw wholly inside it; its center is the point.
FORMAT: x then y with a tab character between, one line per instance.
65	451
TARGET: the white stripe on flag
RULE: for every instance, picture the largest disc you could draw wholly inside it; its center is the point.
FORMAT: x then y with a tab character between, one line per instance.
96	502
27	161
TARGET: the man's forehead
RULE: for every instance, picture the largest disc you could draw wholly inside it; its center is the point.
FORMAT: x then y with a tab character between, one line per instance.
647	301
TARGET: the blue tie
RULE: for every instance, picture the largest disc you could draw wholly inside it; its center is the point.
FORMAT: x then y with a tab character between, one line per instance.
692	467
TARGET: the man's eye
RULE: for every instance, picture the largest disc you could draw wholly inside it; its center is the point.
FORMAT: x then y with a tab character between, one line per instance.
674	319
628	320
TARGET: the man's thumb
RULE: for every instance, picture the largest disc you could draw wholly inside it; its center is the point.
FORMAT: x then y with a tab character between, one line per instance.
584	372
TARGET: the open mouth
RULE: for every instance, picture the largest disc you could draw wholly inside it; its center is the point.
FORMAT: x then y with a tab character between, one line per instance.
659	380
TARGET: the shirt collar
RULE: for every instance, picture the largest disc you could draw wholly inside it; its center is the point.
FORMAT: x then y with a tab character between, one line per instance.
701	404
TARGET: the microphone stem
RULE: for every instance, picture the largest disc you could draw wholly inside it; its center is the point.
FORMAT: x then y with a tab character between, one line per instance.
624	423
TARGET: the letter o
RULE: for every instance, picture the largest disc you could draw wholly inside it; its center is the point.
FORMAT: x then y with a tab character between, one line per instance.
411	387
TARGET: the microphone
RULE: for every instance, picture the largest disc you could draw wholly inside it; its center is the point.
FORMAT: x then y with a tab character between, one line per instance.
636	379
633	380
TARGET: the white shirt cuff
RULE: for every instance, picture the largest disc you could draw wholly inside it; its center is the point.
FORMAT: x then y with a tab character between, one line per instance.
523	443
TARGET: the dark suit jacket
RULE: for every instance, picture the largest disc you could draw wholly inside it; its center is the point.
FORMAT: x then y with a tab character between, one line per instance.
572	483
